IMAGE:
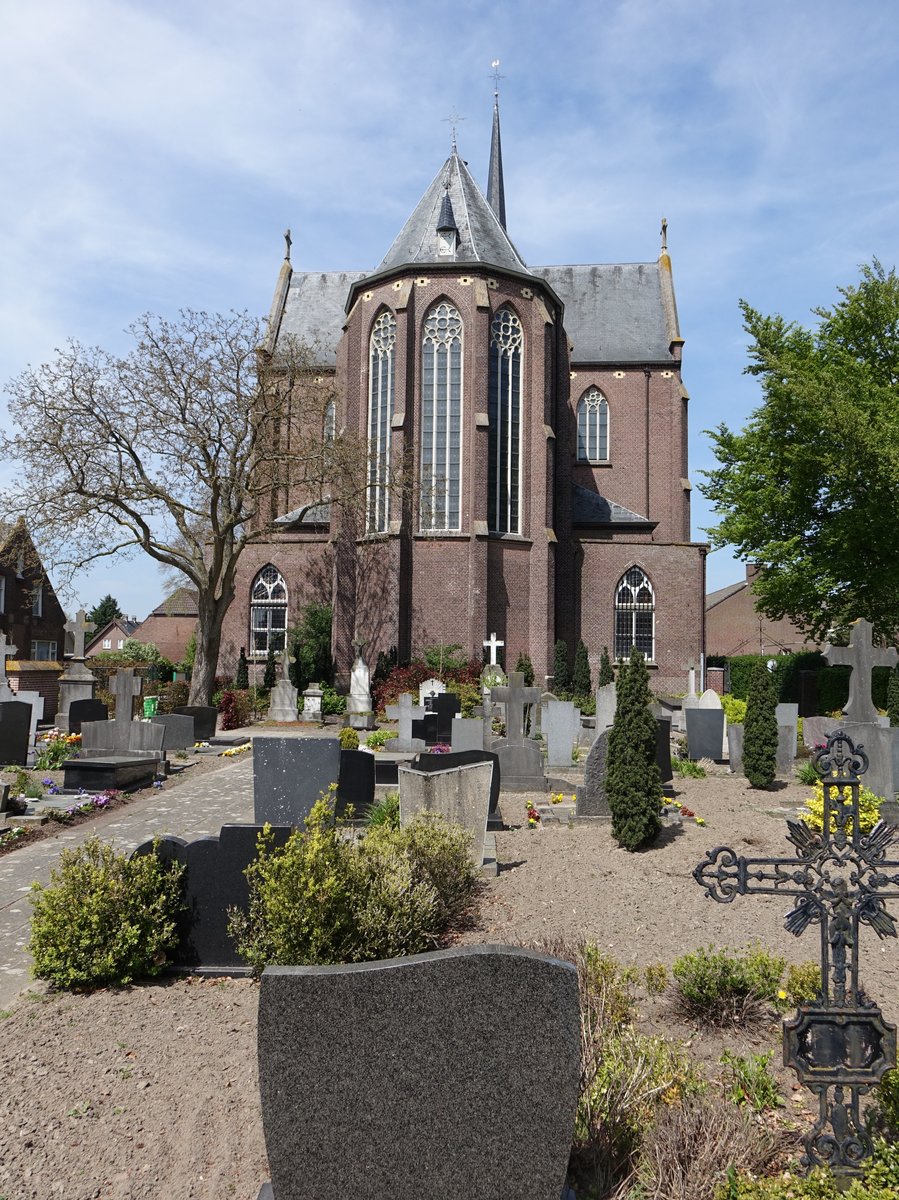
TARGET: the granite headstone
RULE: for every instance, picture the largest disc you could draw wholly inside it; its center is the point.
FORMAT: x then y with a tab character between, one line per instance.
591	798
462	758
459	794
560	722
467	734
705	732
86	710
15	732
179	730
356	782
446	706
205	719
289	775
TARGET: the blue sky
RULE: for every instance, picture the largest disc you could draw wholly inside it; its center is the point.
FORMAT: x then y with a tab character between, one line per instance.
154	153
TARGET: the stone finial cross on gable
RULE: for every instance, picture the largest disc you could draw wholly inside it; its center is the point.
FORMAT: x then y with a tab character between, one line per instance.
862	656
7	650
516	697
126	688
79	627
493	644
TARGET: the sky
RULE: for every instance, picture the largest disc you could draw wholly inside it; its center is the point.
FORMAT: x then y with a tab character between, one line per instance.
155	152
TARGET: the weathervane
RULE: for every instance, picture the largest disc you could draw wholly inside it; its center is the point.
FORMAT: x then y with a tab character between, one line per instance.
496	78
288	241
454	120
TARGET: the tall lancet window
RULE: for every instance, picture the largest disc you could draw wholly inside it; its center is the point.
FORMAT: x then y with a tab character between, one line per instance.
441	419
380	412
593	427
504	410
634	614
268	612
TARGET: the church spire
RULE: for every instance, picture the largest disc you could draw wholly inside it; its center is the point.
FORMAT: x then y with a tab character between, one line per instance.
496	196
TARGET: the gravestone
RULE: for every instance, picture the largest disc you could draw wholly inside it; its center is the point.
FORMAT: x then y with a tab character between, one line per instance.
86	710
591	798
492	676
77	681
468	1104
36	702
356	782
430	687
520	758
104	772
561	725
405	712
467	733
312	702
816	730
705	732
289	775
491	646
446	706
205	719
15	732
214	881
663	754
425	729
735	748
461	795
788	718
284	696
358	703
606	704
462	758
179	730
115	742
862	656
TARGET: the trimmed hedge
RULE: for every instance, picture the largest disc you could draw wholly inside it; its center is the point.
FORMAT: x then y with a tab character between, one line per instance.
833	682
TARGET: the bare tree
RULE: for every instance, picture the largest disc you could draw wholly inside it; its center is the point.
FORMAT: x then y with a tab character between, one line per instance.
186	449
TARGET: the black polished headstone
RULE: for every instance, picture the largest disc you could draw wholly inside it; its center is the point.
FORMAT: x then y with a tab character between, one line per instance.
15	732
663	754
356	782
86	710
808	693
446	706
214	881
289	775
205	717
107	773
462	758
426	728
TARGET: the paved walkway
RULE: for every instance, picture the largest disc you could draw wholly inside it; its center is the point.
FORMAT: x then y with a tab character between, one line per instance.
190	810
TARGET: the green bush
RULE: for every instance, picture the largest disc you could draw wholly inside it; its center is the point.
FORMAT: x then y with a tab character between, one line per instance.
310	647
883	1115
719	986
750	1081
270	675
633	783
561	670
606	673
687	768
469	695
333	704
325	899
786	672
734	709
526	667
581	683
760	729
445	658
376	740
348	738
104	919
868	809
803	983
386	811
173	695
881	1182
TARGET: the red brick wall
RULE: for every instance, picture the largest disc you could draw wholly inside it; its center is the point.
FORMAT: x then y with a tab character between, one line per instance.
733	626
27	677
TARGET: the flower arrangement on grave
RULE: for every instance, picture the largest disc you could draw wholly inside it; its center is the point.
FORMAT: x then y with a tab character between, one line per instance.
233	751
686	812
533	815
54	748
559	798
84	806
441	748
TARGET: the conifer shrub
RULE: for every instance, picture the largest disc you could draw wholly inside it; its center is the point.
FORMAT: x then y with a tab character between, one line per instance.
760	729
606	673
893	697
348	738
270	675
104	919
633	783
561	670
242	675
581	683
526	667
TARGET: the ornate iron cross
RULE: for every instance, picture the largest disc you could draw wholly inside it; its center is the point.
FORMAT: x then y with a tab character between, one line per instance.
840	879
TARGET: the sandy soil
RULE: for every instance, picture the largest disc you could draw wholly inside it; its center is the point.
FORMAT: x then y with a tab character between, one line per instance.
152	1091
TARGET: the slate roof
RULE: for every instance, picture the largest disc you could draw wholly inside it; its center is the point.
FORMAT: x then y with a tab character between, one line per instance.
181	603
314	311
590	509
482	238
713	598
307	514
614	312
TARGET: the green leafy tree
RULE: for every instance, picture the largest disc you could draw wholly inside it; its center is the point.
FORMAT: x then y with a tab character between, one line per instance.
310	643
633	782
270	674
760	729
561	671
526	667
104	612
606	673
581	683
893	697
807	490
242	677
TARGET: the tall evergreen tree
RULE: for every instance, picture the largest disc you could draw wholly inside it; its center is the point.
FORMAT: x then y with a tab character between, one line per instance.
526	667
760	729
242	678
561	670
606	673
633	782
270	676
104	612
581	683
893	697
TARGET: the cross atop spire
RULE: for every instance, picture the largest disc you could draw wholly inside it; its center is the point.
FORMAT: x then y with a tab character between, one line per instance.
454	120
496	196
496	78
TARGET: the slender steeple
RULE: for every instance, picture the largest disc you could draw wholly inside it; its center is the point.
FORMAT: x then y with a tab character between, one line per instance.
496	196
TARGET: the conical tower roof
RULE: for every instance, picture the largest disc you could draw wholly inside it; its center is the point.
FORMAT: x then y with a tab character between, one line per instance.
481	237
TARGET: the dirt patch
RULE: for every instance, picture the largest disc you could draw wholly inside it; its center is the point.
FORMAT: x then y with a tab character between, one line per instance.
151	1091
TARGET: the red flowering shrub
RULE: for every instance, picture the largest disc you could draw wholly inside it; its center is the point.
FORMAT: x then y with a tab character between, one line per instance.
411	677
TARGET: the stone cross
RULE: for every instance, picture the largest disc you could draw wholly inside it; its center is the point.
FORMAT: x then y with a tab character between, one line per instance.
7	650
493	644
408	712
516	697
79	627
126	688
286	659
862	657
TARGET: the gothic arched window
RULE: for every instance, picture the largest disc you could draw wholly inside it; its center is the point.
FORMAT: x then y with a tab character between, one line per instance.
634	614
593	427
504	437
441	419
268	612
330	429
380	412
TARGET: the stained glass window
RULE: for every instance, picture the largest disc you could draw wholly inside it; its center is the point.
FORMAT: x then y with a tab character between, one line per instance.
504	411
380	412
441	419
634	614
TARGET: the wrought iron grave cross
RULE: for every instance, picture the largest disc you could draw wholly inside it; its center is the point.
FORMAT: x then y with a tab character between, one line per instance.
840	879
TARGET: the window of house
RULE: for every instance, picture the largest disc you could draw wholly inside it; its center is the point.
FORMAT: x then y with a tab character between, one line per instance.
593	427
43	651
504	435
634	614
441	419
37	604
107	643
380	412
120	643
268	612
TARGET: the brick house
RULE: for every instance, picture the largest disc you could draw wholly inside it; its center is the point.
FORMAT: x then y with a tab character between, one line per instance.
112	636
733	624
171	623
31	617
543	413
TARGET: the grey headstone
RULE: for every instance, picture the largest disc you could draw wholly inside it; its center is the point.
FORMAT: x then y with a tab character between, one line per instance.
705	732
591	798
205	719
405	712
521	764
786	748
816	730
663	752
420	1076
862	656
283	702
461	758
461	795
881	744
561	725
606	704
289	775
467	733
179	730
735	748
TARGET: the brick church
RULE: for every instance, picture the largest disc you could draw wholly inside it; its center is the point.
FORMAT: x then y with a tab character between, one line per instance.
542	415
